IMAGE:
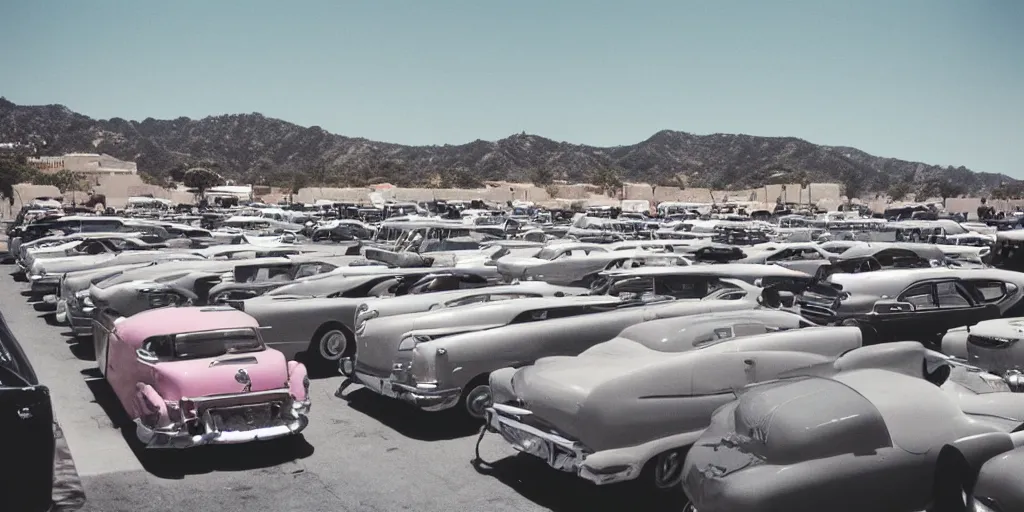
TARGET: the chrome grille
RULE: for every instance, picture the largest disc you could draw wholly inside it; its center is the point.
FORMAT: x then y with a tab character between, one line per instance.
990	341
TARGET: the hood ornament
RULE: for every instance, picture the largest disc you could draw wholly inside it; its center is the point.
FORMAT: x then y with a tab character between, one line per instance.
242	377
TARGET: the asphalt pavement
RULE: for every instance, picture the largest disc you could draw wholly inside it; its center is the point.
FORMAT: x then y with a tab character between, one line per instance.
360	453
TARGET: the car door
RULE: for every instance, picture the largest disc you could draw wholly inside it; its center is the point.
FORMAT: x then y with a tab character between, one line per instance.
26	420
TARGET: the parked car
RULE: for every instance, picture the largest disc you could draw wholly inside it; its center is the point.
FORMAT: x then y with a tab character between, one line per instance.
45	275
806	257
437	360
336	281
584	270
866	439
632	406
518	267
28	426
924	304
261	276
993	345
193	376
979	485
323	327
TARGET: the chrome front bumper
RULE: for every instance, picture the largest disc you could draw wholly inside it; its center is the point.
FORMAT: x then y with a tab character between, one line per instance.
172	438
424	398
560	453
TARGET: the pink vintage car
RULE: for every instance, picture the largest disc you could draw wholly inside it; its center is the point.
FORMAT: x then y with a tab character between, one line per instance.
201	375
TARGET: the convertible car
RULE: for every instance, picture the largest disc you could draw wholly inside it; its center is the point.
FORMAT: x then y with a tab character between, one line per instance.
437	360
634	405
194	376
866	439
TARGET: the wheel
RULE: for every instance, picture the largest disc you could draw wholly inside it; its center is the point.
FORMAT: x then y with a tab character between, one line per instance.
476	399
667	471
330	343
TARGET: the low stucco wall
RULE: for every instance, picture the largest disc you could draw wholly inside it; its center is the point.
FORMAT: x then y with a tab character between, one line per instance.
828	196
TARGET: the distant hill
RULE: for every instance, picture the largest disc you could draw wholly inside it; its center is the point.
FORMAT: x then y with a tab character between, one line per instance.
252	148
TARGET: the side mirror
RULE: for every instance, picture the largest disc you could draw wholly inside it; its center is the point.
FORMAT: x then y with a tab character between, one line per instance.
146	356
888	307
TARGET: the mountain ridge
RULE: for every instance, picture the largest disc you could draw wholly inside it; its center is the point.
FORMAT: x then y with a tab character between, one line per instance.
254	148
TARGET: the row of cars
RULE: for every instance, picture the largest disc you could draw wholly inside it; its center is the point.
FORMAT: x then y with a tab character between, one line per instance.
809	376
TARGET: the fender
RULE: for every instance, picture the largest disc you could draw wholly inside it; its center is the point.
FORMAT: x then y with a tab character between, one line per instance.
150	407
958	465
298	381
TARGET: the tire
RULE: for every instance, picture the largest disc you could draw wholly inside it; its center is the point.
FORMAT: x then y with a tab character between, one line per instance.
330	343
664	473
476	397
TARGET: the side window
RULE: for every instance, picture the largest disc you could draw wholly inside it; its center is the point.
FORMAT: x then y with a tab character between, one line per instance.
991	291
921	296
473	299
732	295
951	296
309	269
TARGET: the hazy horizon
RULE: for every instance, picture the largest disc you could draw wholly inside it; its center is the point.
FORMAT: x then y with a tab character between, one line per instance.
931	81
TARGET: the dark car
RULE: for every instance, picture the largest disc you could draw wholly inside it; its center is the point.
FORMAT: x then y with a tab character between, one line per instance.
28	427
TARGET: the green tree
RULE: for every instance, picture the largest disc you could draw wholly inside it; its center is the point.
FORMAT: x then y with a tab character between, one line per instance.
541	176
942	188
65	181
459	178
13	170
608	181
899	190
201	179
299	181
852	184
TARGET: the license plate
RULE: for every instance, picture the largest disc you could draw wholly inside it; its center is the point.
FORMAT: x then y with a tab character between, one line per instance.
526	442
241	418
377	385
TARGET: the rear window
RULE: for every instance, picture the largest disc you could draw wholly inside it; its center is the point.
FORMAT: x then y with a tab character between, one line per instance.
206	344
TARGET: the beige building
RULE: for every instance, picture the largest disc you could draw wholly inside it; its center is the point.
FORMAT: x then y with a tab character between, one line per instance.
84	163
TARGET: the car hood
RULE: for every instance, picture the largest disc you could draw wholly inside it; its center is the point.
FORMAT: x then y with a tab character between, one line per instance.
175	380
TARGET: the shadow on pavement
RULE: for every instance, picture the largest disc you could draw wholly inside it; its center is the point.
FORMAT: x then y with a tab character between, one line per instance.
50	318
410	421
565	492
82	350
19	277
176	464
42	306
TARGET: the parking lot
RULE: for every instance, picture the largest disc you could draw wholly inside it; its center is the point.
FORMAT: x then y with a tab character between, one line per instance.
360	453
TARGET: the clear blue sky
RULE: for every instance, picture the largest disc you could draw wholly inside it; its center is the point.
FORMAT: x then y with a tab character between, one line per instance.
931	80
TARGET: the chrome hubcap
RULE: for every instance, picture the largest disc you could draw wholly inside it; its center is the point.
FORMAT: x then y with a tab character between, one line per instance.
478	400
667	470
332	345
